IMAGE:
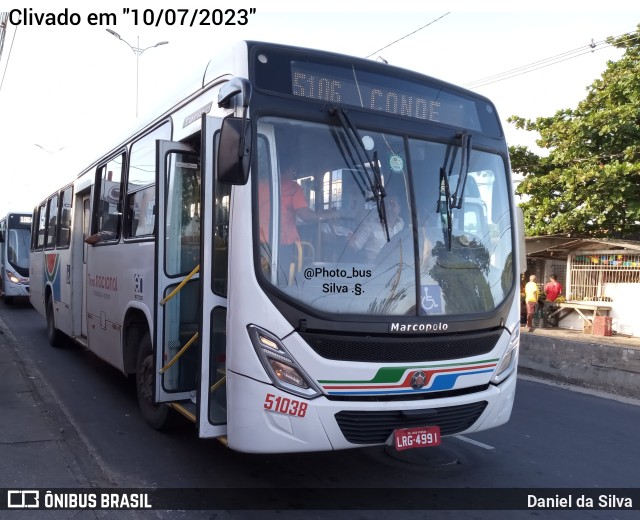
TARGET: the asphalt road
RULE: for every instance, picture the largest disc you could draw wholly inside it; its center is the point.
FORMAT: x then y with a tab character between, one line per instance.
557	438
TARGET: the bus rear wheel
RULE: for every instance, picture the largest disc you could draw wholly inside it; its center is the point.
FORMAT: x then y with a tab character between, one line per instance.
155	415
54	336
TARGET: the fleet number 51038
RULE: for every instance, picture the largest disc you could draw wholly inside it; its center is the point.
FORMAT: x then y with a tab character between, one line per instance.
285	405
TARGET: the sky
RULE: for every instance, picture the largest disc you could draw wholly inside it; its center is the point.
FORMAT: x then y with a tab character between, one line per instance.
68	92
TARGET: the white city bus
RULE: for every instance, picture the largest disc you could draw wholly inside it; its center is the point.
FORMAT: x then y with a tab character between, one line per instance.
368	295
15	240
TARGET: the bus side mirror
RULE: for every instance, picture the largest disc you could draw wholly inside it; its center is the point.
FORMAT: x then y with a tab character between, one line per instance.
1	236
234	151
233	88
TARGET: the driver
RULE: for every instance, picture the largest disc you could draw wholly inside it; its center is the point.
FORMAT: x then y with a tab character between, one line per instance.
371	237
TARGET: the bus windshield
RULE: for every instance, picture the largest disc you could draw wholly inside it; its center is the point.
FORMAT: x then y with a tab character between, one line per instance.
368	227
18	245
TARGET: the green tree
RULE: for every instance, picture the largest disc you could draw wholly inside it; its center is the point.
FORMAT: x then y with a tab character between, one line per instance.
589	183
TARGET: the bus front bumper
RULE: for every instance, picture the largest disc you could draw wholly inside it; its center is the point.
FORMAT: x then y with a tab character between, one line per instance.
17	290
264	419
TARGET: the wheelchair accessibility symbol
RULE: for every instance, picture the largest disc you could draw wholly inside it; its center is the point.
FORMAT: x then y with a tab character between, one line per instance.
431	299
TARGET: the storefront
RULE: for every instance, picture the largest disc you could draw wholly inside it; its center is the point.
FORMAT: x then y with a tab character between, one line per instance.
599	278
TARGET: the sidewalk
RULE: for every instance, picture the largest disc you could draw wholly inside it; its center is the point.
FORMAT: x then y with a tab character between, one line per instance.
38	446
578	335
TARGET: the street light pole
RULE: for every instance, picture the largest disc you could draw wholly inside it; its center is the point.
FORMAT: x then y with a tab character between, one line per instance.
137	50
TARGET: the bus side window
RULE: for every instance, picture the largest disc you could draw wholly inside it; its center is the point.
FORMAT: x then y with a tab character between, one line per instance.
142	212
221	239
53	220
64	229
221	225
42	225
108	214
141	189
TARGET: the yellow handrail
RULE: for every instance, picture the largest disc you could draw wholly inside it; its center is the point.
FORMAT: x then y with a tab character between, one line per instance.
179	408
181	285
292	272
299	248
218	384
177	356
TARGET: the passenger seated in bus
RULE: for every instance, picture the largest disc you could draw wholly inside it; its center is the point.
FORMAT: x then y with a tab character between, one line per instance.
352	210
371	236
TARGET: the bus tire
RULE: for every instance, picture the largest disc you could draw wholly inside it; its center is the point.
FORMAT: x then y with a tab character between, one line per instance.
54	336
155	415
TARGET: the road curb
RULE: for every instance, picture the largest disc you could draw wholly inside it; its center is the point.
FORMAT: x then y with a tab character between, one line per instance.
607	367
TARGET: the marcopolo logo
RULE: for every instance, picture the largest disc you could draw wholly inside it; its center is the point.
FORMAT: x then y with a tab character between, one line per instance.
416	328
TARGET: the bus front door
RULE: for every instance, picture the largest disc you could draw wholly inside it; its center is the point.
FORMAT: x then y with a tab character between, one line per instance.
86	226
177	256
182	327
216	199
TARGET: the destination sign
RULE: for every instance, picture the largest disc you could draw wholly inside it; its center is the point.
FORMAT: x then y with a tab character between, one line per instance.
17	220
343	80
382	93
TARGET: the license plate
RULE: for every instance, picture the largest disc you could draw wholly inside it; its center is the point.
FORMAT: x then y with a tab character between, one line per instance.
408	438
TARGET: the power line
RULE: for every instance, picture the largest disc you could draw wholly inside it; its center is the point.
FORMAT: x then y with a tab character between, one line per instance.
407	35
481	83
530	65
546	62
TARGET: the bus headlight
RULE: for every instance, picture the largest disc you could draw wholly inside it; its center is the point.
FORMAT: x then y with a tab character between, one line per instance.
12	277
284	371
509	361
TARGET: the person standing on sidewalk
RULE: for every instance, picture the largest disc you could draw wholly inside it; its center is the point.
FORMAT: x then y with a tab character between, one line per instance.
553	289
531	299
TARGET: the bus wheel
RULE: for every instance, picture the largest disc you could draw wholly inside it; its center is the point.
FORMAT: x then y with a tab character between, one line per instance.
155	415
53	335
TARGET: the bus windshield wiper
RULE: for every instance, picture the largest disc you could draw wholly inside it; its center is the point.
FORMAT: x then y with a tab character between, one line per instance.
374	180
456	199
444	180
449	161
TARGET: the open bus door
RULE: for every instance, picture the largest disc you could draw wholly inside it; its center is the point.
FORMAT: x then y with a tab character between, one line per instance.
177	279
188	312
212	401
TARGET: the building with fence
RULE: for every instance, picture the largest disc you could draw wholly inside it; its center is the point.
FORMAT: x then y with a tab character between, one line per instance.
600	277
